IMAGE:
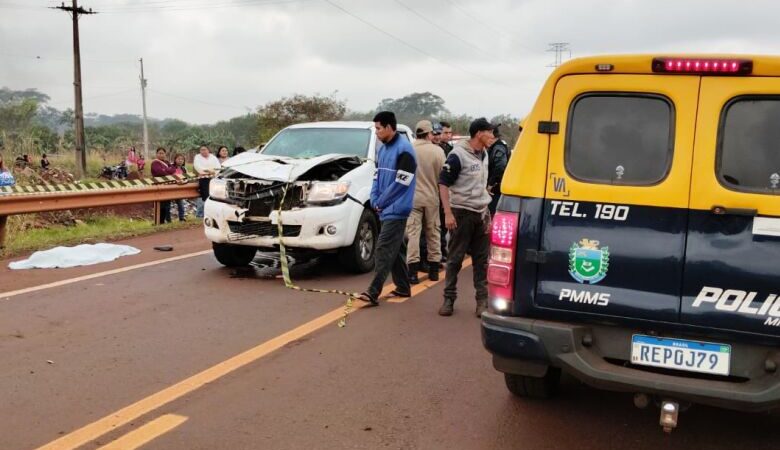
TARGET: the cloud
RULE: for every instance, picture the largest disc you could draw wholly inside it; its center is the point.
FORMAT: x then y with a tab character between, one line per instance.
207	61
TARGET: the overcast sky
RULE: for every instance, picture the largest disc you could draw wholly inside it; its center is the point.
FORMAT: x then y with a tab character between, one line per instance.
212	60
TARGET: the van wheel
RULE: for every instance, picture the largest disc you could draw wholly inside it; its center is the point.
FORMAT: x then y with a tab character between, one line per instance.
233	255
534	387
359	257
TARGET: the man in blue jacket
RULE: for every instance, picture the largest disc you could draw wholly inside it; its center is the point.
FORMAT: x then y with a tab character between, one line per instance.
392	197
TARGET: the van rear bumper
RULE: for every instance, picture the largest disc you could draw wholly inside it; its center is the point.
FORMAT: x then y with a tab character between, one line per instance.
599	355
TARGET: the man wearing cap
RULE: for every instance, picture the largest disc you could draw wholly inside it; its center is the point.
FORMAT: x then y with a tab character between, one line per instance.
424	217
464	195
498	157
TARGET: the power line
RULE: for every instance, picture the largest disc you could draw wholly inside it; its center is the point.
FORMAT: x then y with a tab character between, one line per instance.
473	17
442	29
205	6
412	46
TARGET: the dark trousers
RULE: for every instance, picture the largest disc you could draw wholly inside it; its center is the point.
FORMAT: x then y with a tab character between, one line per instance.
469	236
390	257
443	234
165	211
180	209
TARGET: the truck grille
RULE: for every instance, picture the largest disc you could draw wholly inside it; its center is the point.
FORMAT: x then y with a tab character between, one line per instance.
260	197
249	230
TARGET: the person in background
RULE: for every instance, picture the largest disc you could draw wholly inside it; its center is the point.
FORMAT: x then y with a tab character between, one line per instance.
141	163
45	162
445	137
206	166
436	134
238	150
392	197
6	177
161	168
444	143
179	163
463	190
498	158
424	218
222	154
132	157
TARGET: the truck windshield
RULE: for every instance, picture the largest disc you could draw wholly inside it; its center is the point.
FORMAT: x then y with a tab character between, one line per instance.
311	142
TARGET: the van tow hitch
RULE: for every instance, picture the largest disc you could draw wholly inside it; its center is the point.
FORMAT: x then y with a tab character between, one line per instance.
669	413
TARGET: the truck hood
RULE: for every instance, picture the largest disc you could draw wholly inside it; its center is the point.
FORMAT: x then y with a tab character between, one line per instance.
278	168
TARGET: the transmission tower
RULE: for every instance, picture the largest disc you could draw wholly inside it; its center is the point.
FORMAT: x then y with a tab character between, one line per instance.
559	48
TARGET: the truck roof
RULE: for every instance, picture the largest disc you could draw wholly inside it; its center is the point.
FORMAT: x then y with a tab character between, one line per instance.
767	66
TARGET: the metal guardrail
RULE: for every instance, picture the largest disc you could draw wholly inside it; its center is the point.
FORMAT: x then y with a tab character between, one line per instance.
60	197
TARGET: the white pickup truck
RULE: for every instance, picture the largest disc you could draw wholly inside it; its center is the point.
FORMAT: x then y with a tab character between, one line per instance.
328	168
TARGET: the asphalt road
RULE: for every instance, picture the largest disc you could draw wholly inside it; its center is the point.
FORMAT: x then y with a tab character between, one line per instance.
166	353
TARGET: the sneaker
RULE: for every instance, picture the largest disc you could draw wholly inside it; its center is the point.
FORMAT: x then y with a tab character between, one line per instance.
447	308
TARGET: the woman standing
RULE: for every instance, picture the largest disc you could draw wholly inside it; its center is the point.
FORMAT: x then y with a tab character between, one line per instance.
223	154
161	168
6	177
179	163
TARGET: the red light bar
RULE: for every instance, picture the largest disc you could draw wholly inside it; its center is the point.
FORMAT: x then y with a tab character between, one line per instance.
707	66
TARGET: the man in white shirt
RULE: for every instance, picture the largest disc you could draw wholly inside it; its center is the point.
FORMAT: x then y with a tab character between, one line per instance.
206	165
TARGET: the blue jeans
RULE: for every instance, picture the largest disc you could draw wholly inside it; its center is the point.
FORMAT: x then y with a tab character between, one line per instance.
199	211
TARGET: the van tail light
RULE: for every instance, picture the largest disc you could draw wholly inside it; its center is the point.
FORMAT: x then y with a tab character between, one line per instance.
704	66
501	266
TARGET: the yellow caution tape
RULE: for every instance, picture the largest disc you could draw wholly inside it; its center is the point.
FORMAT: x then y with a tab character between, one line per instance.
351	296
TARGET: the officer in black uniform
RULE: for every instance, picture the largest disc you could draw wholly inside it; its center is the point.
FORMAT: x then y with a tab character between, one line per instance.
498	157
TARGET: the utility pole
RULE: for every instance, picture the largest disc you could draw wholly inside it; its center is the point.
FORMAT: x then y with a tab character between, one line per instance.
81	151
559	48
143	102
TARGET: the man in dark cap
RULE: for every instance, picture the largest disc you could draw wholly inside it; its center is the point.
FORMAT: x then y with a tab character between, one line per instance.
464	195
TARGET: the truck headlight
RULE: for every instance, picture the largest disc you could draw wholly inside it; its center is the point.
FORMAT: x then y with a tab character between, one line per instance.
327	191
218	189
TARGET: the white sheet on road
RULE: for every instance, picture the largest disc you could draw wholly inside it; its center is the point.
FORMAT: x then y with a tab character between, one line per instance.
80	255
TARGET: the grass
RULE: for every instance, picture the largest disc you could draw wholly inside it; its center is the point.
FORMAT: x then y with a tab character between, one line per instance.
92	230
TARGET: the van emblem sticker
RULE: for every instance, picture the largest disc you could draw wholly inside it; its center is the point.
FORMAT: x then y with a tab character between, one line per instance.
588	263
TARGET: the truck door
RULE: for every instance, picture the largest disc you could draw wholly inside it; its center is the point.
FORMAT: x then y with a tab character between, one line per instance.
616	201
732	267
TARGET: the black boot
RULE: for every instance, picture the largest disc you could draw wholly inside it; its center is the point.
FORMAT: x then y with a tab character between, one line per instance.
433	271
448	307
413	267
422	267
481	307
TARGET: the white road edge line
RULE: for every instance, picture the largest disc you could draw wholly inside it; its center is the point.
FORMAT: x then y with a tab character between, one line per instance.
8	295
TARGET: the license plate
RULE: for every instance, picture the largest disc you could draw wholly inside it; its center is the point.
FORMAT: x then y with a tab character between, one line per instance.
679	354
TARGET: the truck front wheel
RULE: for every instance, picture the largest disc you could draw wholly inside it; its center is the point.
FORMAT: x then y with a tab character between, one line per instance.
233	255
359	257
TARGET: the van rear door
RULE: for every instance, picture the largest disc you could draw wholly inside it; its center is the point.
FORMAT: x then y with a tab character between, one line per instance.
732	267
615	212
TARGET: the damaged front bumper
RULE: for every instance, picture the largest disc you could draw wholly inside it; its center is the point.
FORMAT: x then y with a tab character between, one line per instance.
312	227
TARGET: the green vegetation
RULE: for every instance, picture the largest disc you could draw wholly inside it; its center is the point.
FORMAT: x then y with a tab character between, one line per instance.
94	229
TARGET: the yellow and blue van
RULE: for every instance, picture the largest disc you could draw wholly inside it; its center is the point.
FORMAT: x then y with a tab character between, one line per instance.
637	242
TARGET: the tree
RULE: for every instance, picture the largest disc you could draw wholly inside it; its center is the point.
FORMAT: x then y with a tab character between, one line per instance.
300	108
415	107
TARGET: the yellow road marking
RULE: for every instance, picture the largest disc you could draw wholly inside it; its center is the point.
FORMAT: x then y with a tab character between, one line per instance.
94	430
146	433
9	294
416	289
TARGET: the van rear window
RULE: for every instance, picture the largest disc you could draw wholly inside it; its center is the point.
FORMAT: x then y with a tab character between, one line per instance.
749	145
620	139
